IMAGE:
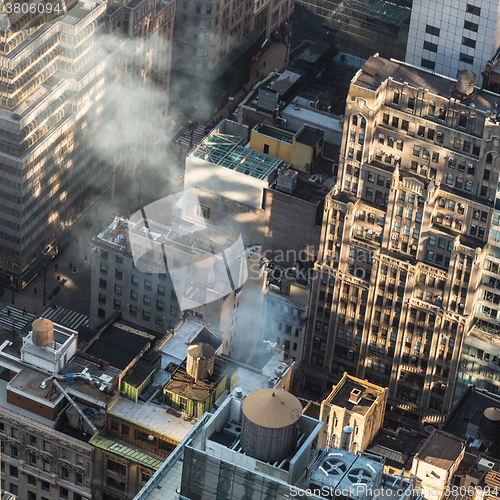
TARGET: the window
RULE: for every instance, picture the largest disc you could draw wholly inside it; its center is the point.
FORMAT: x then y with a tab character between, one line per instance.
104	268
385	119
79	479
119	259
395	121
435	157
45	486
431	30
118	289
118	274
65	473
146	315
31	480
489	158
471	26
133	310
13	451
427	63
46	466
134	294
148	285
405	124
468	42
466	58
472	9
411	102
203	211
102	283
14	472
432	47
416	150
146	300
173	310
395	98
135	280
449	179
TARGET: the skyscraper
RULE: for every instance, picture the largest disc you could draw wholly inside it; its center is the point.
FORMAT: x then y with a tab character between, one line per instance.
449	36
404	236
53	80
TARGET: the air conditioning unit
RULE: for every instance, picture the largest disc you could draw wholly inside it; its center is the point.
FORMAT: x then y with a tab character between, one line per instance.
447	217
443	199
462	306
424	167
461	205
414	247
439	297
377	234
151	438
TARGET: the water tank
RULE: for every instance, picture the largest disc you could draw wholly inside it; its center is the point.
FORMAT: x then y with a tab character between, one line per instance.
465	81
270	424
490	425
200	361
43	332
202	269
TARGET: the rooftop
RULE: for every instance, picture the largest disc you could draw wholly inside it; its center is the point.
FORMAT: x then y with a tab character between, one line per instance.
376	70
319	118
275	133
341	395
397	447
187	332
309	136
465	419
119	345
183	384
123	450
227	151
153	417
441	450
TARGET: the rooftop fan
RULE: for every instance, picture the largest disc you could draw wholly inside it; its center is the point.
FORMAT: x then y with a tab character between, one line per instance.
334	466
359	476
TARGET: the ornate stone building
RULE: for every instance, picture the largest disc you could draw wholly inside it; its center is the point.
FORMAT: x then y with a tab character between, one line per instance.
404	236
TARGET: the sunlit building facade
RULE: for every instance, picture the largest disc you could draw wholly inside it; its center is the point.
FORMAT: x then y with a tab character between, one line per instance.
405	235
53	80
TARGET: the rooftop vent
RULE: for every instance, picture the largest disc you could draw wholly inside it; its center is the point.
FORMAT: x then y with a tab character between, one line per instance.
465	82
355	396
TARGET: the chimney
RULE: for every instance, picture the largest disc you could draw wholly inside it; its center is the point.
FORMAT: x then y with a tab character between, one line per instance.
355	396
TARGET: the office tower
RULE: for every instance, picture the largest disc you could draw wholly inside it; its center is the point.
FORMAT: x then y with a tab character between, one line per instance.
447	36
151	27
54	77
206	32
332	39
404	236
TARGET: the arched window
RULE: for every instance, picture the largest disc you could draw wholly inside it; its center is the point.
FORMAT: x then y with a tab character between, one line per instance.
355	120
462	121
442	113
432	108
363	123
489	158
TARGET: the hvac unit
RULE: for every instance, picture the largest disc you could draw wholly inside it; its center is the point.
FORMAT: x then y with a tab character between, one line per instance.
232	429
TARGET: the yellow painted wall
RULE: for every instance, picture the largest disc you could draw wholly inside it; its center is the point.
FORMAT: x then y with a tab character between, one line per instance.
301	156
277	148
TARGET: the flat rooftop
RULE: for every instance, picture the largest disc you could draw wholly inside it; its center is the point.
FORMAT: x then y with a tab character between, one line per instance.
376	70
309	137
441	450
124	450
465	419
119	345
186	333
275	133
227	151
153	417
342	392
320	119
